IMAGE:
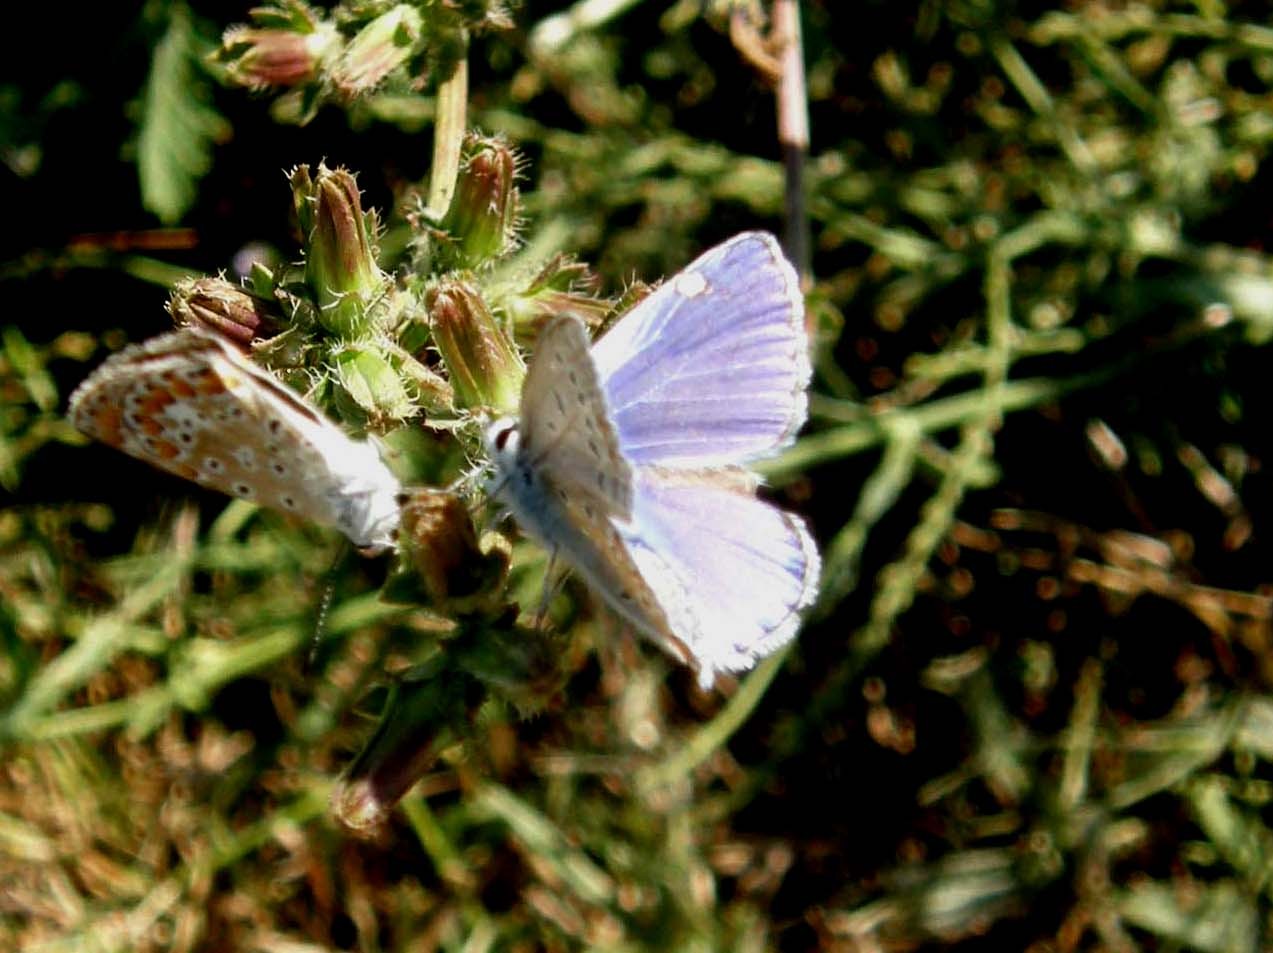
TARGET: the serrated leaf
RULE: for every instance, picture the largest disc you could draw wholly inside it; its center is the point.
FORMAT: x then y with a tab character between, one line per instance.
178	126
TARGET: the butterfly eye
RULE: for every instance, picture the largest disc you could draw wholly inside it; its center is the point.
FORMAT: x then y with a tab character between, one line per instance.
501	438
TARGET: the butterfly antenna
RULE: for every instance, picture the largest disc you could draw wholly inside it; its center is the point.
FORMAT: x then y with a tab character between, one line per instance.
324	608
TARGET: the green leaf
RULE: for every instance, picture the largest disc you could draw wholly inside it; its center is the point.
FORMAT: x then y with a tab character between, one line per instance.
178	126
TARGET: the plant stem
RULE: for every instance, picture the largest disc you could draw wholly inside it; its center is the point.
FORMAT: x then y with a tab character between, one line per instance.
793	131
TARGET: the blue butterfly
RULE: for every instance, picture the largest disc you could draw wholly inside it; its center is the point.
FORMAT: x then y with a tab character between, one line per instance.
628	458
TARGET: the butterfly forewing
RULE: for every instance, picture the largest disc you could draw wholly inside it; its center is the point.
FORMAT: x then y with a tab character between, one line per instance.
191	404
712	368
566	433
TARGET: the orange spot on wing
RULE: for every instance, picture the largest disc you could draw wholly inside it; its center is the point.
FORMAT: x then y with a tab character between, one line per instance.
108	421
154	402
165	450
208	382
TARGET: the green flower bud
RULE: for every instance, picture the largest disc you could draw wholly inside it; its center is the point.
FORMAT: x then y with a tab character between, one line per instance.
368	379
481	223
433	392
431	713
303	197
340	260
419	722
563	286
628	299
221	306
383	45
485	368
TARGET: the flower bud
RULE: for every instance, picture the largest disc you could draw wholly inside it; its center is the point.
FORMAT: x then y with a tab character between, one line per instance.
383	45
563	286
439	543
259	58
340	260
432	392
224	308
368	379
485	368
480	224
419	721
628	299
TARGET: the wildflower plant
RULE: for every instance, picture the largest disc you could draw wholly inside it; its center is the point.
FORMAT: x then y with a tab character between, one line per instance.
383	352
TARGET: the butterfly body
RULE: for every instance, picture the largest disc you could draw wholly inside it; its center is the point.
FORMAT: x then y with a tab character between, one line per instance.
573	500
190	403
628	458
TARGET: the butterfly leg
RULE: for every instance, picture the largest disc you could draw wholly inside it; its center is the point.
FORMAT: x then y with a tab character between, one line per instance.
550	588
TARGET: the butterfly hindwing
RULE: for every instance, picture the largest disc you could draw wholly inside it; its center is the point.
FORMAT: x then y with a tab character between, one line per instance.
738	571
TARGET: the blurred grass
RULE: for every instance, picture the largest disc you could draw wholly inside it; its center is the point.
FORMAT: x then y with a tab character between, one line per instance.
1033	708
